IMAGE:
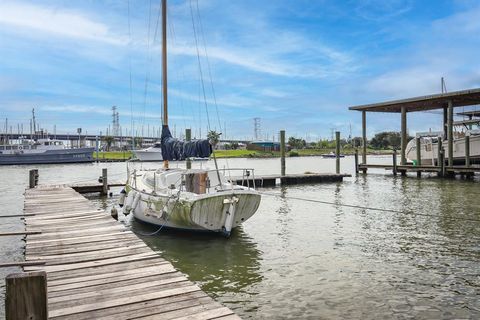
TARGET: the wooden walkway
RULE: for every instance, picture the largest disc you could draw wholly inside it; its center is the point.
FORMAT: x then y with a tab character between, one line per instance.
98	269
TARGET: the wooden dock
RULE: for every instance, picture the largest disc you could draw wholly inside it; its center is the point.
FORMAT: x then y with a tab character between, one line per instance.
289	179
98	269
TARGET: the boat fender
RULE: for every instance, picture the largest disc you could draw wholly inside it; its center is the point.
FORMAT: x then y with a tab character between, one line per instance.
136	200
121	200
128	202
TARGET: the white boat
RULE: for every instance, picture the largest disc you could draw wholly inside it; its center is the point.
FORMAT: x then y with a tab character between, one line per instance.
153	153
30	151
429	148
195	200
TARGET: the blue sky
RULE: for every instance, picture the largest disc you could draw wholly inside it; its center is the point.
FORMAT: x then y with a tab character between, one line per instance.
297	65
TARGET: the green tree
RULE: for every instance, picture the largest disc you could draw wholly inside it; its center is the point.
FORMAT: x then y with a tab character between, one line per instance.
296	143
109	141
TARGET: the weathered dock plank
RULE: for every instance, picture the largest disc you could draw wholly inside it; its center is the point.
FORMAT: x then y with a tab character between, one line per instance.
98	269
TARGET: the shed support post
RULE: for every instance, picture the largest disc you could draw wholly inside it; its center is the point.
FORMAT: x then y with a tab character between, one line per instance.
450	133
440	159
445	120
364	140
403	158
356	160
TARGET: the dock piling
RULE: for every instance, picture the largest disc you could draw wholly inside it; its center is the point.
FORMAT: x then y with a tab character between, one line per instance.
467	151
364	140
26	296
403	159
419	155
394	157
356	160
337	152
282	152
104	181
33	178
188	137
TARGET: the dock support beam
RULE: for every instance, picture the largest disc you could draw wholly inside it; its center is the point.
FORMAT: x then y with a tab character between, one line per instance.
337	151
364	139
26	296
403	159
419	155
104	181
450	133
188	137
282	151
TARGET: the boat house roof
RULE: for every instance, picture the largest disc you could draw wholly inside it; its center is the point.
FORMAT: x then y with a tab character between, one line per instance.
423	103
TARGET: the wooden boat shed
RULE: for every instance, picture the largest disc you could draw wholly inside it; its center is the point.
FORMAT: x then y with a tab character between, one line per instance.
444	101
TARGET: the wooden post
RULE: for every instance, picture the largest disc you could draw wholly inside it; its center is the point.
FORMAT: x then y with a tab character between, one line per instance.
394	156
26	296
364	139
96	147
419	155
337	151
282	151
403	159
356	160
188	137
442	163
104	181
439	155
445	120
467	151
33	178
450	133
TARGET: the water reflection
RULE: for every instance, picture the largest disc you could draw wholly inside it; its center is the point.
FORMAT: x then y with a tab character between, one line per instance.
222	266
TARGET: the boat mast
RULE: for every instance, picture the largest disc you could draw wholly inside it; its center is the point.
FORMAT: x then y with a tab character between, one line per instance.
164	68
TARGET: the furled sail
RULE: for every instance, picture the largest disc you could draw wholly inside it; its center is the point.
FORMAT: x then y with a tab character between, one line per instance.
175	149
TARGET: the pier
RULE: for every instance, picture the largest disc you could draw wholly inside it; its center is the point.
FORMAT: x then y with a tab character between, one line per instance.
82	264
444	165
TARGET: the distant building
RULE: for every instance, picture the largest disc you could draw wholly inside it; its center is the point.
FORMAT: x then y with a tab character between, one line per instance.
264	146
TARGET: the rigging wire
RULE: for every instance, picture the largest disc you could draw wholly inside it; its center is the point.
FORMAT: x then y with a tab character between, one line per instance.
200	65
149	58
130	71
208	65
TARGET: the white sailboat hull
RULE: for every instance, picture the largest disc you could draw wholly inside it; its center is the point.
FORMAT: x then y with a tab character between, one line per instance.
161	198
208	213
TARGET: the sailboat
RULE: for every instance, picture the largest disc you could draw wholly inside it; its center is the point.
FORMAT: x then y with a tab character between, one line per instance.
189	199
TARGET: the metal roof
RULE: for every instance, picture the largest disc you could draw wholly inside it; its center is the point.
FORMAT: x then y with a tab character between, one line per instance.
423	103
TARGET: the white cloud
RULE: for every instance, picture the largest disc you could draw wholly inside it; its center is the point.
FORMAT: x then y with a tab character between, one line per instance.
48	20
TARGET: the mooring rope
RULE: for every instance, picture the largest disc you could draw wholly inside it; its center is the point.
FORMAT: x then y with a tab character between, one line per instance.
363	207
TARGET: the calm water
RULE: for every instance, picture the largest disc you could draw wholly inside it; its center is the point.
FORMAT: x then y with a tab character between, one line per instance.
298	259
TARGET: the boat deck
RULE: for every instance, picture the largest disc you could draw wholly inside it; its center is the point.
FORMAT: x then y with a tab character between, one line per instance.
98	269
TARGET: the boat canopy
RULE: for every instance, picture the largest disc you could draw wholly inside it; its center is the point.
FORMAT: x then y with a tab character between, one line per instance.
175	149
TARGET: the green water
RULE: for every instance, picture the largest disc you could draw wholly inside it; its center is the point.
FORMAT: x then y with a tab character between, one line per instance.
299	259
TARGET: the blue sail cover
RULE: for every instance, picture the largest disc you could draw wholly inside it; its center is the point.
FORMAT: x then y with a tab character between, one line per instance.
174	149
